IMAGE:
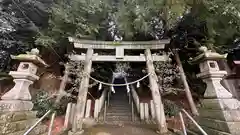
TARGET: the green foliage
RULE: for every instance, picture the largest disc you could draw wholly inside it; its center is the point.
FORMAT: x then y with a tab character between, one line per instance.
194	21
44	102
212	23
222	20
170	108
189	23
20	21
105	19
76	74
167	74
80	18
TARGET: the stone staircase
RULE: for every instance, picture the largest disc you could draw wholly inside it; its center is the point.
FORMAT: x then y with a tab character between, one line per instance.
119	109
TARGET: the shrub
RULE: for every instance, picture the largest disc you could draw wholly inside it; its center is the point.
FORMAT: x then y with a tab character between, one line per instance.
44	102
170	108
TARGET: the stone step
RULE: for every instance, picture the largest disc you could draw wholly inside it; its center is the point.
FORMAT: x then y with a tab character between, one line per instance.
228	115
118	103
119	107
120	99
129	120
112	120
11	127
208	130
118	110
36	131
115	118
193	128
189	132
101	117
123	98
117	97
120	122
119	114
220	125
119	94
16	116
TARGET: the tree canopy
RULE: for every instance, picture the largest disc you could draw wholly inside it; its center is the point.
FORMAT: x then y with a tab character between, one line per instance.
20	22
188	23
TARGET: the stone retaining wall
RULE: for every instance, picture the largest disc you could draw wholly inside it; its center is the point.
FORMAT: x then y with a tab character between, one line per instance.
17	123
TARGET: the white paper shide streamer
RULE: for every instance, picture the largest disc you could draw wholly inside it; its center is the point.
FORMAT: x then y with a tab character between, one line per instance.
128	89
138	84
112	89
100	86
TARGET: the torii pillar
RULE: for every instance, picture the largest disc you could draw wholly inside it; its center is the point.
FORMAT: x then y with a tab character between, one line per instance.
160	115
82	93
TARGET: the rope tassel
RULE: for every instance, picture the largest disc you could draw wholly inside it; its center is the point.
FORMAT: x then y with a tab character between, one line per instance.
100	86
138	84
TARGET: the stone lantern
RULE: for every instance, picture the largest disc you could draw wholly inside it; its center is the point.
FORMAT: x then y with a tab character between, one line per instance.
219	111
19	97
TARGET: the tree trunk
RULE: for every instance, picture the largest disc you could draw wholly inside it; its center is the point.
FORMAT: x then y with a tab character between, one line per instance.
82	92
159	109
186	86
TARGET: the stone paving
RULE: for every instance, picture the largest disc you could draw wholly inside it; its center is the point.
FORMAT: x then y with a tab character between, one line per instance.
122	130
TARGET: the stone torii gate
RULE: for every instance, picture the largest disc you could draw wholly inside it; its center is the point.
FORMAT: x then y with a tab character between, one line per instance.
119	48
